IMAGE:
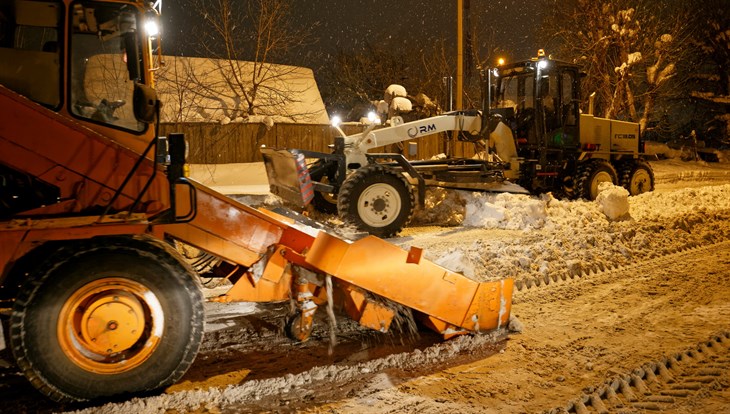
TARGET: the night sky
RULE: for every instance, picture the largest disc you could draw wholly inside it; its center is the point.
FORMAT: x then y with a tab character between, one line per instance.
347	25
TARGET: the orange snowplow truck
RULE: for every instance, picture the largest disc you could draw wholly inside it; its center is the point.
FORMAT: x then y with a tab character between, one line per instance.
94	299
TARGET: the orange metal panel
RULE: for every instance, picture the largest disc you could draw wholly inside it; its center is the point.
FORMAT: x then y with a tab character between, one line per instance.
382	268
264	291
368	313
224	227
446	330
86	166
276	267
71	228
274	284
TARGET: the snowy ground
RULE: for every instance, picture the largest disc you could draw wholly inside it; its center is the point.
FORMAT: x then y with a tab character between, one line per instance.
604	287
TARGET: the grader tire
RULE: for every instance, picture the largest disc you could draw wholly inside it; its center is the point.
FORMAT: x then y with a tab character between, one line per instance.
324	202
589	175
376	200
637	177
107	317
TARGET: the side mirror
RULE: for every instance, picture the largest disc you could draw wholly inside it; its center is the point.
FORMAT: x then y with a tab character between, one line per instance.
145	103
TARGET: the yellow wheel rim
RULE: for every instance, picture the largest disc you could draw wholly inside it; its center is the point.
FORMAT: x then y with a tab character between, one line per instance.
110	325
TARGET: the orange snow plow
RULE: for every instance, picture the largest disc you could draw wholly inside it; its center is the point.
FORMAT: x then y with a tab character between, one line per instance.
95	300
365	272
278	257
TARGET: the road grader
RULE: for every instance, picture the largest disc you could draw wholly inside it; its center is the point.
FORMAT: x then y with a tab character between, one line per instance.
534	136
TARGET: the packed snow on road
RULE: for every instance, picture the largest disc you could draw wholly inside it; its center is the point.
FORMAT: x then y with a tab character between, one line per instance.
602	288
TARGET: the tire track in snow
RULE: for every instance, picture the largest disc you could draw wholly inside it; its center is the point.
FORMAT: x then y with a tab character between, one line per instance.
666	383
529	284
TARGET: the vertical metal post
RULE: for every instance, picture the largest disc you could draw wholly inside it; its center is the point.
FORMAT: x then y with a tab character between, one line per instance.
460	55
459	70
449	84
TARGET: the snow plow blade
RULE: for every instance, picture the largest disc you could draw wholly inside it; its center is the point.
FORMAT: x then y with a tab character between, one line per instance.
288	175
450	302
301	255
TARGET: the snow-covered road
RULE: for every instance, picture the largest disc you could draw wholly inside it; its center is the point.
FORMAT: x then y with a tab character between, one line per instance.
597	298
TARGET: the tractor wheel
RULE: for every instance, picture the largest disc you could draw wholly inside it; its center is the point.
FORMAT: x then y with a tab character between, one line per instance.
107	317
324	202
376	200
637	177
590	175
298	330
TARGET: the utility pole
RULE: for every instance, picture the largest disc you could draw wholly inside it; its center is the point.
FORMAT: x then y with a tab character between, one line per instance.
460	55
451	145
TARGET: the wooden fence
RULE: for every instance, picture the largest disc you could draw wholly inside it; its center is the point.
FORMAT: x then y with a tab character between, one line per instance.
239	142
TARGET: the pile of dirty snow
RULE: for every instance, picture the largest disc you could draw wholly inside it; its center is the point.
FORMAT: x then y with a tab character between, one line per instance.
519	236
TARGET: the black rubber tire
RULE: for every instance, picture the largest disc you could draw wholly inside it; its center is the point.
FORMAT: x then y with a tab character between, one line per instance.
34	323
322	202
392	185
294	330
637	177
589	175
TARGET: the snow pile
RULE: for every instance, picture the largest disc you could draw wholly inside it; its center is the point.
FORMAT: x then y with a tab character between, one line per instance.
442	206
457	261
506	211
233	397
662	150
401	104
511	211
613	201
394	91
526	237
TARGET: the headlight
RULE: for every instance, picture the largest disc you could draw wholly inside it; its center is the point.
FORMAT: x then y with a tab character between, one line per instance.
151	27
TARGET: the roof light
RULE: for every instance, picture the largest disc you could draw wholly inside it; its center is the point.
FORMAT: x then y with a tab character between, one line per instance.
150	26
336	121
500	61
373	118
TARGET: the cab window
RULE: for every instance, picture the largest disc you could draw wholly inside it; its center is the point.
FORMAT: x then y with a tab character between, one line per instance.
29	50
105	50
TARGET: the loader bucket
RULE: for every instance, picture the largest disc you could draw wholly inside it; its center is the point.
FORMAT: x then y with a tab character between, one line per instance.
288	175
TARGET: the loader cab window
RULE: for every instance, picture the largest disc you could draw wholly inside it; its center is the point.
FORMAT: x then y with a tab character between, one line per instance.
516	90
569	107
29	50
550	98
105	57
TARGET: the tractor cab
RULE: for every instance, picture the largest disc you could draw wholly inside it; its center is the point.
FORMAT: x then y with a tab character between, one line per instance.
86	60
539	100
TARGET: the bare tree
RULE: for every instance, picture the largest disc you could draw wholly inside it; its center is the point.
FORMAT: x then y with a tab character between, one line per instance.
243	46
711	71
629	50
